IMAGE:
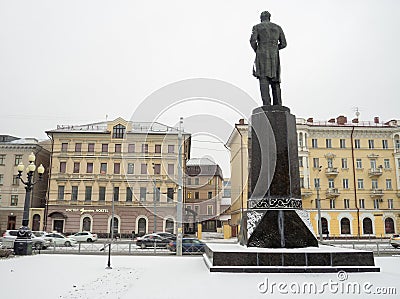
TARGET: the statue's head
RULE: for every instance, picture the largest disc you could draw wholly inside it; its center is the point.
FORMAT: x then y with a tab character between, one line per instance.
265	16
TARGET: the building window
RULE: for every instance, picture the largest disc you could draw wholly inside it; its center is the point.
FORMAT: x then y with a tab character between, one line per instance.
361	203
14	200
171	169
117	168
300	162
74	193
209	210
314	143
347	203
90	148
360	183
367	226
373	163
64	147
157	193
104	148
331	183
189	195
197	209
371	143
330	162
89	167
143	168
118	131
301	183
171	149
197	181
157	148
63	167
131	168
344	163
197	195
1	179
142	226
170	194
342	143
157	168
389	226
88	193
376	204
332	203
345	183
398	162
2	159
103	168
86	224
386	163
316	182
389	184
358	163
118	148
345	226
315	162
385	144
116	194
60	195
129	194
78	147
76	167
328	143
15	181
357	143
145	148
18	159
390	203
189	181
131	148
143	192
374	184
102	193
209	195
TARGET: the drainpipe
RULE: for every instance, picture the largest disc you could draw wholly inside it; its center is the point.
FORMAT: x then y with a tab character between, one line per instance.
354	182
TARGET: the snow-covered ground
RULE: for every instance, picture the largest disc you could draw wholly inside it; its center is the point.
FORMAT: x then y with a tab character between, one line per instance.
85	276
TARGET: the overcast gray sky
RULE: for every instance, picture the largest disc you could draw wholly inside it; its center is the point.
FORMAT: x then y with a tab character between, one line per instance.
76	61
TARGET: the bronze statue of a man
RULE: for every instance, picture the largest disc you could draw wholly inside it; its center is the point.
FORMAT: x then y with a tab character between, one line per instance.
267	39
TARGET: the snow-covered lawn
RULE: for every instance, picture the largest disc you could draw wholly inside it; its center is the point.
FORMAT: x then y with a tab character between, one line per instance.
80	276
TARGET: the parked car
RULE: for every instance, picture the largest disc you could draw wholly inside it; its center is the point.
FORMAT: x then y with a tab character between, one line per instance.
151	240
9	237
189	245
395	241
60	240
84	237
166	235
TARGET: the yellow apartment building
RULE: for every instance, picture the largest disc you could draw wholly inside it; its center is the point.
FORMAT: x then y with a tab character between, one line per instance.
352	167
131	166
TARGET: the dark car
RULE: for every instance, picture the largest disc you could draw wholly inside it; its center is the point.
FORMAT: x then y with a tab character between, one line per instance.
166	235
151	241
189	245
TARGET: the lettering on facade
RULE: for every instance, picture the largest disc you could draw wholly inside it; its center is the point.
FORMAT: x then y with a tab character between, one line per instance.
83	210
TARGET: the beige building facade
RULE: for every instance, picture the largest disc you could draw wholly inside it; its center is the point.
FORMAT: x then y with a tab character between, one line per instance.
352	167
131	166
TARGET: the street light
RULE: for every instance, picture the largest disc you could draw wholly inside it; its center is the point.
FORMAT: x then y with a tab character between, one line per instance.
23	242
319	206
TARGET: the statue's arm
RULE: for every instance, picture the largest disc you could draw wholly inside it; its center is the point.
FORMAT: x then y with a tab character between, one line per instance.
282	39
253	38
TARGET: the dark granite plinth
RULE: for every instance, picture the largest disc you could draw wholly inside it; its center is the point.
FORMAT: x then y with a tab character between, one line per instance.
237	258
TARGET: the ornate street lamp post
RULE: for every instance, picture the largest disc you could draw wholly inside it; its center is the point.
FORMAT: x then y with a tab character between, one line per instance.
23	243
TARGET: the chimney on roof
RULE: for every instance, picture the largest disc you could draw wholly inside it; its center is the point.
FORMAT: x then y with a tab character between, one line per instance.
376	119
332	120
241	121
310	120
341	120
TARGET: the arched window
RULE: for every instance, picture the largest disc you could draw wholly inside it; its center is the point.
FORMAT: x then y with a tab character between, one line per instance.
389	226
169	225
142	226
300	139
118	131
86	224
116	225
345	226
367	226
324	223
36	222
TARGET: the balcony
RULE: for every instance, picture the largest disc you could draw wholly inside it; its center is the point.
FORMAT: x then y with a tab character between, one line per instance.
329	171
375	192
332	192
306	192
375	172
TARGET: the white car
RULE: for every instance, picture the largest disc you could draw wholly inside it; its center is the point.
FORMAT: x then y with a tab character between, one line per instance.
395	241
84	237
60	240
38	242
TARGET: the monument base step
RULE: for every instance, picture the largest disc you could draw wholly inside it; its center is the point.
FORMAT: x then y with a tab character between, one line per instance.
323	259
